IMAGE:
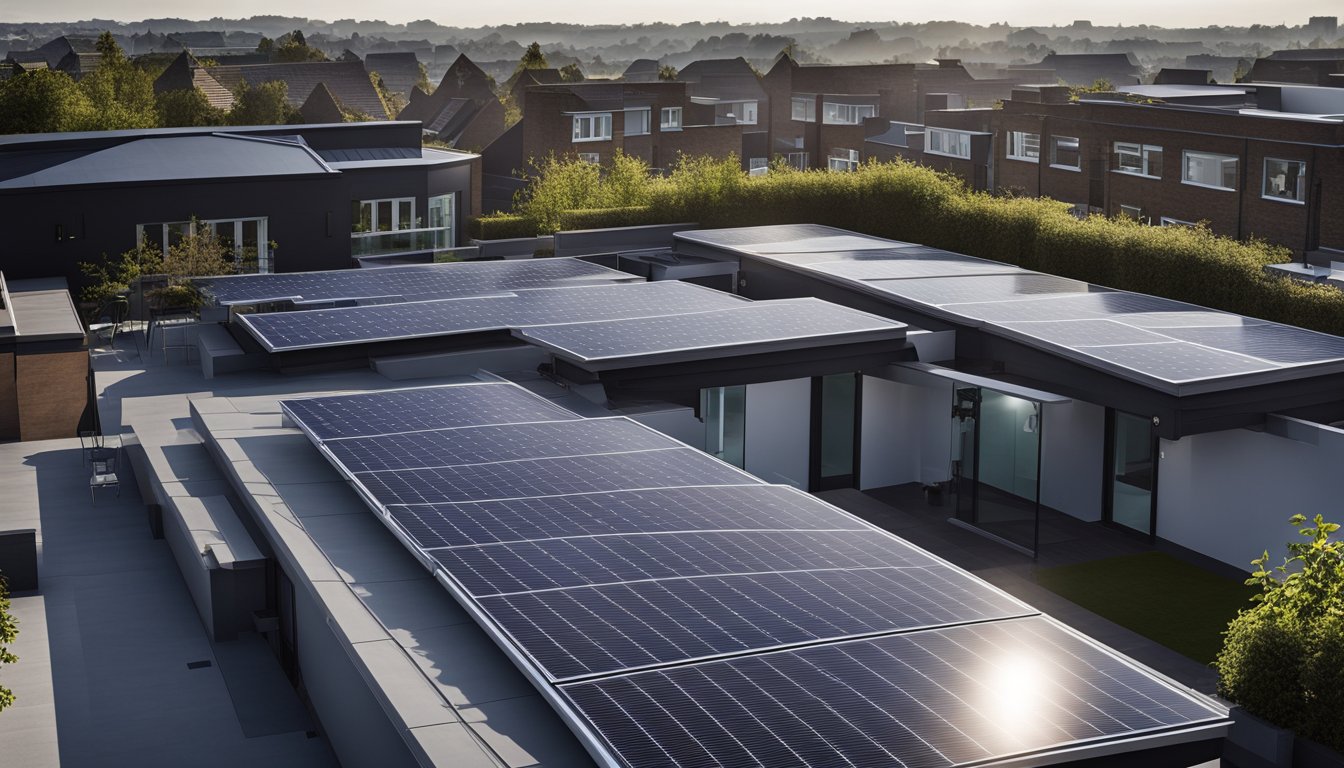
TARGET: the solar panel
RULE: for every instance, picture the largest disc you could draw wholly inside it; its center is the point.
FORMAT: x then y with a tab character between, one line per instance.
658	594
405	410
761	326
669	467
286	331
936	698
492	569
489	444
605	629
748	507
410	282
1192	349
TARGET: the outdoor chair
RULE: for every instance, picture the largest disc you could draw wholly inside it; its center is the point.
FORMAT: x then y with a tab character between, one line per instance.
104	474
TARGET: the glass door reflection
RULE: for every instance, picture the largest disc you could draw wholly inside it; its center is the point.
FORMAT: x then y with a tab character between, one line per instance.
996	454
1131	472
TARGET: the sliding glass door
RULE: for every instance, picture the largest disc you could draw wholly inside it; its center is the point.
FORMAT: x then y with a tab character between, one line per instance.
1131	472
996	453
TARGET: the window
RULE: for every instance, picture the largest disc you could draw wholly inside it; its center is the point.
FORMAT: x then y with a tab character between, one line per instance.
843	160
382	215
1285	180
758	166
798	160
590	157
1138	159
1024	146
940	141
846	114
1207	170
669	119
594	127
738	112
804	109
1132	212
724	411
246	237
442	215
1064	152
637	121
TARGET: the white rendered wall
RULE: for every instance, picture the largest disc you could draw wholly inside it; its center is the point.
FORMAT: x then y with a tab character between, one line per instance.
778	431
889	438
1229	494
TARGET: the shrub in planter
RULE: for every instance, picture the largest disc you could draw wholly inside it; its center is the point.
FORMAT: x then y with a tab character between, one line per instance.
1283	658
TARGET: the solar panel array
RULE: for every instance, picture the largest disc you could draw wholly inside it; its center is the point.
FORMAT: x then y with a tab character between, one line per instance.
691	615
1169	345
413	282
288	331
763	326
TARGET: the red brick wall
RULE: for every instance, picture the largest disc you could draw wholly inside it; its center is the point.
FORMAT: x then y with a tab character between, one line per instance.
9	398
52	391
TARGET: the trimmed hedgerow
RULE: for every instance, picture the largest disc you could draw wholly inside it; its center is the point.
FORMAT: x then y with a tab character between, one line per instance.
904	201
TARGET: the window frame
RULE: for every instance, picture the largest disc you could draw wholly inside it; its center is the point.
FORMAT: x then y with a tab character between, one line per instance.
1301	181
264	262
1187	154
809	106
1143	152
591	157
373	215
1016	142
961	136
647	115
664	124
843	164
1167	221
797	160
1077	150
829	107
593	119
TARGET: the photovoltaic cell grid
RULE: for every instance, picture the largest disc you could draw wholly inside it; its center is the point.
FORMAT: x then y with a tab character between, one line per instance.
603	589
941	697
411	282
1189	348
786	323
284	331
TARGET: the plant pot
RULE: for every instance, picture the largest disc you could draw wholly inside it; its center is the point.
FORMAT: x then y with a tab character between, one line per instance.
1256	743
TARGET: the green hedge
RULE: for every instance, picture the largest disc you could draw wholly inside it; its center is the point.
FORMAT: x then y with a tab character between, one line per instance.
909	202
501	226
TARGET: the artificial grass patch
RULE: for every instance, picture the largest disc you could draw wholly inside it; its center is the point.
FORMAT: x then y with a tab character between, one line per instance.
1165	599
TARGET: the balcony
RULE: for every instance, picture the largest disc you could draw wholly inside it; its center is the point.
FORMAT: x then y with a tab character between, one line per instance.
401	241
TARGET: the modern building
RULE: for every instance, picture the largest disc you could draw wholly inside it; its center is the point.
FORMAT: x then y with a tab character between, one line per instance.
45	377
509	513
301	197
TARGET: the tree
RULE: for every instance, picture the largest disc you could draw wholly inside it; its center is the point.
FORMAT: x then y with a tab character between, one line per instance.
9	632
186	108
570	73
293	47
120	94
264	104
42	101
532	58
667	72
1283	658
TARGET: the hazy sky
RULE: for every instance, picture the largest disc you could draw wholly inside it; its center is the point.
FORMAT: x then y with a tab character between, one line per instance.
1159	12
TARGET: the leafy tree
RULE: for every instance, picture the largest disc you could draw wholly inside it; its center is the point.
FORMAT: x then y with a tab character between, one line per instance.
570	73
185	108
264	104
422	81
9	632
266	45
42	101
120	94
667	72
393	103
1283	658
532	58
293	47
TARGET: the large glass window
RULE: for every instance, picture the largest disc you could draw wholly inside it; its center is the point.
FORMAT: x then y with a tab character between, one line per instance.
1138	159
636	121
1024	146
804	109
843	160
442	220
798	160
670	119
382	215
1285	180
996	450
245	237
837	398
846	114
1208	170
941	141
593	127
1064	152
739	112
724	411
